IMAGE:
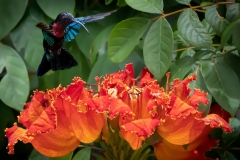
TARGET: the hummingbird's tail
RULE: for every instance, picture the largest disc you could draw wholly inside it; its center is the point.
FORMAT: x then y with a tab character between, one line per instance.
62	61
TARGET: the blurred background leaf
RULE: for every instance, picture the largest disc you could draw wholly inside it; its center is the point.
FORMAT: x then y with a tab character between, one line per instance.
14	86
10	14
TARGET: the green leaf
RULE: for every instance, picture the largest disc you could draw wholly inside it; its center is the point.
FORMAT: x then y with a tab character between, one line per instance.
85	43
108	1
209	28
121	3
228	156
66	157
11	12
192	30
158	48
203	54
179	39
28	37
205	4
109	67
83	154
218	23
192	59
82	70
49	80
178	72
229	138
186	61
236	35
188	52
14	86
200	84
33	79
36	13
229	31
99	42
225	91
35	155
100	70
231	49
233	12
186	2
149	6
233	61
137	61
124	36
49	7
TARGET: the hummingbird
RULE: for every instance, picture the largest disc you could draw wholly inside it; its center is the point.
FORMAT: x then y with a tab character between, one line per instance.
64	28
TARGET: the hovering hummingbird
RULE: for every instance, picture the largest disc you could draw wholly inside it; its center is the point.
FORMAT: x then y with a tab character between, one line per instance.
64	27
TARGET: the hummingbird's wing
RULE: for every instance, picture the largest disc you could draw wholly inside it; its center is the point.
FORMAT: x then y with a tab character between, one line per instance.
49	39
71	31
73	28
47	32
95	17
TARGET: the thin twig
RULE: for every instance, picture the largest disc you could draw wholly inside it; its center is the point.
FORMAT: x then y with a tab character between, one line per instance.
229	51
231	148
182	49
181	10
199	10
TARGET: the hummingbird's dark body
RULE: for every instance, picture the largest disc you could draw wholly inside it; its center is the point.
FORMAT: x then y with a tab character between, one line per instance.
64	27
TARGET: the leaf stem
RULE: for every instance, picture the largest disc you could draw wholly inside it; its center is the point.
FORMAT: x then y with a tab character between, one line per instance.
222	148
182	49
229	51
199	10
122	155
144	156
92	147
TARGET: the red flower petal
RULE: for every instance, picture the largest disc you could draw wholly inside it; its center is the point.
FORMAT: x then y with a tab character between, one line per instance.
181	88
196	98
144	72
217	109
196	150
117	107
59	142
215	121
76	91
14	134
87	125
39	116
143	128
185	130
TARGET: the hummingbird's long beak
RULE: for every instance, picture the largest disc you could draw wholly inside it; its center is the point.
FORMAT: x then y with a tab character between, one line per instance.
83	26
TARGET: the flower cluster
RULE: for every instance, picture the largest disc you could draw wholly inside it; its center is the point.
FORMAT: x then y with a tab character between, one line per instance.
124	111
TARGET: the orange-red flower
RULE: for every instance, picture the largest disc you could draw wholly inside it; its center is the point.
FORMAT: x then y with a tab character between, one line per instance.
138	96
47	128
173	114
139	107
60	118
183	122
195	150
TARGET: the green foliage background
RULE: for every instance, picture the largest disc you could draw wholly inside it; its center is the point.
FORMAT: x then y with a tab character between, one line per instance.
184	43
